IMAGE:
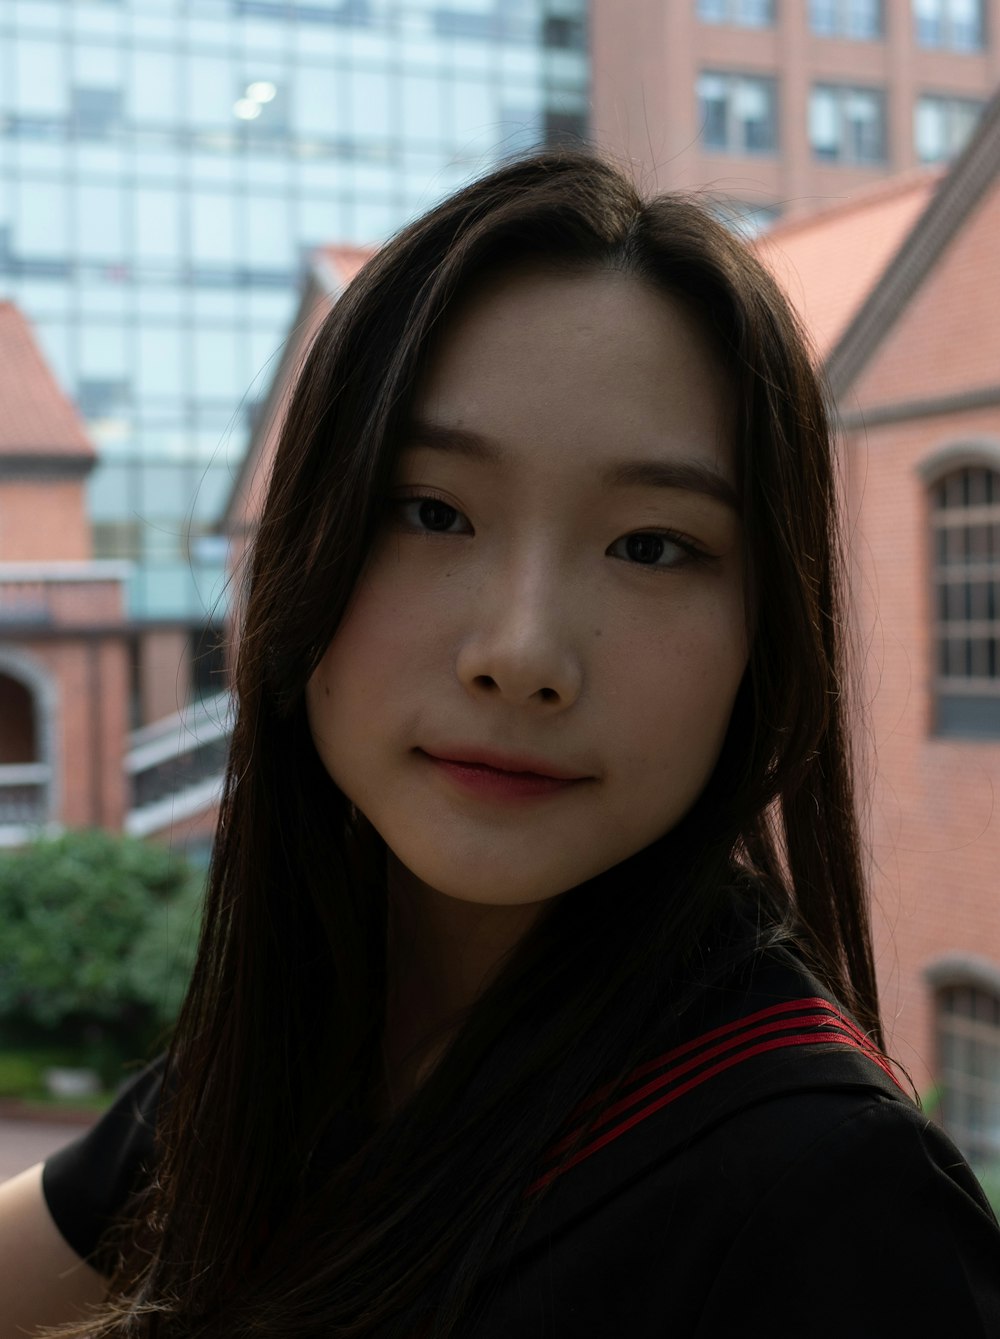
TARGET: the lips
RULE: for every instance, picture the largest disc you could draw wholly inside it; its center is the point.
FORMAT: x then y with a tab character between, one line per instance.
504	763
490	778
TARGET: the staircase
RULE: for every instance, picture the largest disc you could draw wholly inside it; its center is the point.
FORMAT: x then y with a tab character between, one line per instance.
175	766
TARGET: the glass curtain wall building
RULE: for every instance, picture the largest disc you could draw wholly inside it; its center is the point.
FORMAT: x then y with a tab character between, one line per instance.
165	165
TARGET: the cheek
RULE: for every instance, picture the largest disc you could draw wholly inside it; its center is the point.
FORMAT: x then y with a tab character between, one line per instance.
676	693
378	653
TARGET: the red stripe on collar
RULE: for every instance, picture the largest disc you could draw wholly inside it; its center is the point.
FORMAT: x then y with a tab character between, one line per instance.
822	1020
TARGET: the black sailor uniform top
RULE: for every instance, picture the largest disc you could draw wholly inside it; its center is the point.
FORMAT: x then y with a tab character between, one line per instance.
763	1174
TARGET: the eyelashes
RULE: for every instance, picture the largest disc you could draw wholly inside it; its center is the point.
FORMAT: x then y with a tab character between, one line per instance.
431	514
654	549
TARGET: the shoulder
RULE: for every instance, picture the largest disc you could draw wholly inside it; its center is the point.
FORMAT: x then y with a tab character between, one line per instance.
765	1170
853	1210
88	1182
827	1202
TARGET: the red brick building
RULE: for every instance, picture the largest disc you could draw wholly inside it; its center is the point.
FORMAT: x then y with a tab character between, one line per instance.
781	107
63	664
330	270
912	356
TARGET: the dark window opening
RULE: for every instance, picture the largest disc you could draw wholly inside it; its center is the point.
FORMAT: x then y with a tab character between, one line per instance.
97	399
965	598
208	661
18	728
564	34
968	1063
97	112
565	128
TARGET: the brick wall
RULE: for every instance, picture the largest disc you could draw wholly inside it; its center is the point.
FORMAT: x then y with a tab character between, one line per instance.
647	55
935	802
90	703
43	520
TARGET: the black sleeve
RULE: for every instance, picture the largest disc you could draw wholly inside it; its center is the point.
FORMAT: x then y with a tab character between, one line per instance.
88	1183
879	1229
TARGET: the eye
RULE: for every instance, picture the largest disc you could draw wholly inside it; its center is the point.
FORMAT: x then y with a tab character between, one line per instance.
655	548
431	515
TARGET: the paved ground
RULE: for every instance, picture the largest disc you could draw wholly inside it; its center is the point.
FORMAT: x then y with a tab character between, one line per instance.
25	1142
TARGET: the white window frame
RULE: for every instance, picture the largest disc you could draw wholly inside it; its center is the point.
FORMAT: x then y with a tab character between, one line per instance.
741	13
941	24
846	18
739	88
956	122
964	526
836	114
967	1054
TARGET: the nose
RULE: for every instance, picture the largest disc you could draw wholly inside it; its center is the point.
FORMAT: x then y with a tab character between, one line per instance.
520	646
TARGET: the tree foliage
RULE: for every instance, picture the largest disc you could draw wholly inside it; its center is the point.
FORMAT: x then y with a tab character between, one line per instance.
98	935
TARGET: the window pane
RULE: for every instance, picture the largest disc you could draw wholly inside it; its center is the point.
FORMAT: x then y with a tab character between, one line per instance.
219	365
927	14
157	233
99	231
929	130
165	490
423	115
41	220
97	65
40	79
823	17
474	110
712	111
369	104
823	123
213	228
211	90
754	13
161	362
712	11
109	492
966	25
752	101
104	353
269	241
864	118
318	99
153	89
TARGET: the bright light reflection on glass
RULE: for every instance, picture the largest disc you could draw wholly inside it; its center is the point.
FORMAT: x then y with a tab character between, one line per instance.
246	109
262	90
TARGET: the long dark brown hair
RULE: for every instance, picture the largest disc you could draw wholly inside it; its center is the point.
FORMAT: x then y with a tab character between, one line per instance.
248	1226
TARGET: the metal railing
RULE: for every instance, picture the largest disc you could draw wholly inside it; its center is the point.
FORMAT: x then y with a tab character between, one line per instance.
24	799
176	766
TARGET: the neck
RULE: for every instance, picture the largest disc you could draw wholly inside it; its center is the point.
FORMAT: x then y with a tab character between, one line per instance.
442	954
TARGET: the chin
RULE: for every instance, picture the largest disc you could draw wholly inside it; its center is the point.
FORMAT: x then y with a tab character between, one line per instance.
485	883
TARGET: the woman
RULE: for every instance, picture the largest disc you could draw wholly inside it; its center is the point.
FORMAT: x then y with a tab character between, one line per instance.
535	990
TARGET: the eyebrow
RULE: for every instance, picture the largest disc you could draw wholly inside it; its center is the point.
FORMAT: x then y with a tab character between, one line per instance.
692	475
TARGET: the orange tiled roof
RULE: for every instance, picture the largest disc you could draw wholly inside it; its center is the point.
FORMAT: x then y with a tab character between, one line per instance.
347	260
829	262
38	418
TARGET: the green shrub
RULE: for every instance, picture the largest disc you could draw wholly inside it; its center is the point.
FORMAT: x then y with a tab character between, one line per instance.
98	943
19	1074
989	1178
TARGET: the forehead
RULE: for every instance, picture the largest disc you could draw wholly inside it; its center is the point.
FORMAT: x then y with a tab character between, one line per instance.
598	360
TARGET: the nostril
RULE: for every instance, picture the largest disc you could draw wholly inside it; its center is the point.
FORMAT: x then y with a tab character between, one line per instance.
548	694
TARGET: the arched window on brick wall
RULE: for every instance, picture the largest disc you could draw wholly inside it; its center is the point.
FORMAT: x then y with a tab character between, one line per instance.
966	998
965	575
28	774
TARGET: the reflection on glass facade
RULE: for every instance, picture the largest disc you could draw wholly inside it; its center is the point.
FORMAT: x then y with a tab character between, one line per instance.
166	164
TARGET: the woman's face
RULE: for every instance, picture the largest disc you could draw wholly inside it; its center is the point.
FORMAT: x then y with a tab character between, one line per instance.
536	673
